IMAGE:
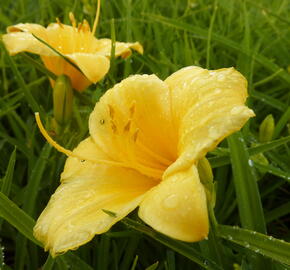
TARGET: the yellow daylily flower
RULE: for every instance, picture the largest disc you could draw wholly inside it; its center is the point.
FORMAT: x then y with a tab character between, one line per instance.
76	43
146	138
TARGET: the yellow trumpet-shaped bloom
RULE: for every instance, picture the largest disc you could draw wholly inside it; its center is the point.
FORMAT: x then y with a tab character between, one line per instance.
146	138
78	44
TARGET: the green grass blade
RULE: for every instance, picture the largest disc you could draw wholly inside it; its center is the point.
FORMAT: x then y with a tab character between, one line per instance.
75	262
267	99
202	34
278	212
30	197
260	243
273	170
7	180
282	123
209	35
1	256
34	180
261	148
153	266
30	99
134	263
48	264
249	201
17	217
8	110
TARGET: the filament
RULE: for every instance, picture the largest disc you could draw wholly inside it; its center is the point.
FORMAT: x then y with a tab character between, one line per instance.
97	17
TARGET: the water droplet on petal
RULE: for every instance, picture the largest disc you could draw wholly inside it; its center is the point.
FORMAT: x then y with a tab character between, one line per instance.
221	77
171	201
236	110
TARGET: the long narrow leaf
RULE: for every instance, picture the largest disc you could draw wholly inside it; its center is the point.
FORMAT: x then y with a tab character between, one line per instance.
30	99
261	148
260	243
202	33
7	180
17	217
249	201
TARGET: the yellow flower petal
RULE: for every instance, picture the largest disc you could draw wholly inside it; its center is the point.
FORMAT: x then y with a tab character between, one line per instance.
132	123
121	48
94	67
74	213
20	39
207	107
177	207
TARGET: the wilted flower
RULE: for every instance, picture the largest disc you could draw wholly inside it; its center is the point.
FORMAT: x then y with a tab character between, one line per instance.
77	43
146	138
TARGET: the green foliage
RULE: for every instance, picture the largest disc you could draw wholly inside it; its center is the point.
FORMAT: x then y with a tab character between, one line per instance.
252	36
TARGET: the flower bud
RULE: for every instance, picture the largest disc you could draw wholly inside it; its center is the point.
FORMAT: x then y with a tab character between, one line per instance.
62	100
266	129
206	178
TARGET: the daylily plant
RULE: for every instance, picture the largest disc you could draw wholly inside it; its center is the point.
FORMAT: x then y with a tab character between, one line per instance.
77	43
146	138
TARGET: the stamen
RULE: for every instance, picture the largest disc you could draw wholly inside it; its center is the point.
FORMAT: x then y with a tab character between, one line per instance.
158	157
135	135
152	172
86	26
111	111
80	25
68	152
59	22
127	126
114	127
132	109
72	19
96	18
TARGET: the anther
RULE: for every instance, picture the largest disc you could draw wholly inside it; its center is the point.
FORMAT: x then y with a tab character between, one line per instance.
132	108
86	26
80	26
114	127
111	111
102	121
127	126
135	135
59	22
72	19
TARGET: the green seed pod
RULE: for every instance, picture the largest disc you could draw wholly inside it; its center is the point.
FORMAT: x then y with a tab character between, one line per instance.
266	129
206	178
62	100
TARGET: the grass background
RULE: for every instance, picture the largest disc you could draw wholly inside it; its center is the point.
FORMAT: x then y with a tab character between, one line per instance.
252	177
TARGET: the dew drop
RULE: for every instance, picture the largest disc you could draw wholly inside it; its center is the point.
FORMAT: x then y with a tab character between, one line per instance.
217	91
236	110
171	201
221	77
250	162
